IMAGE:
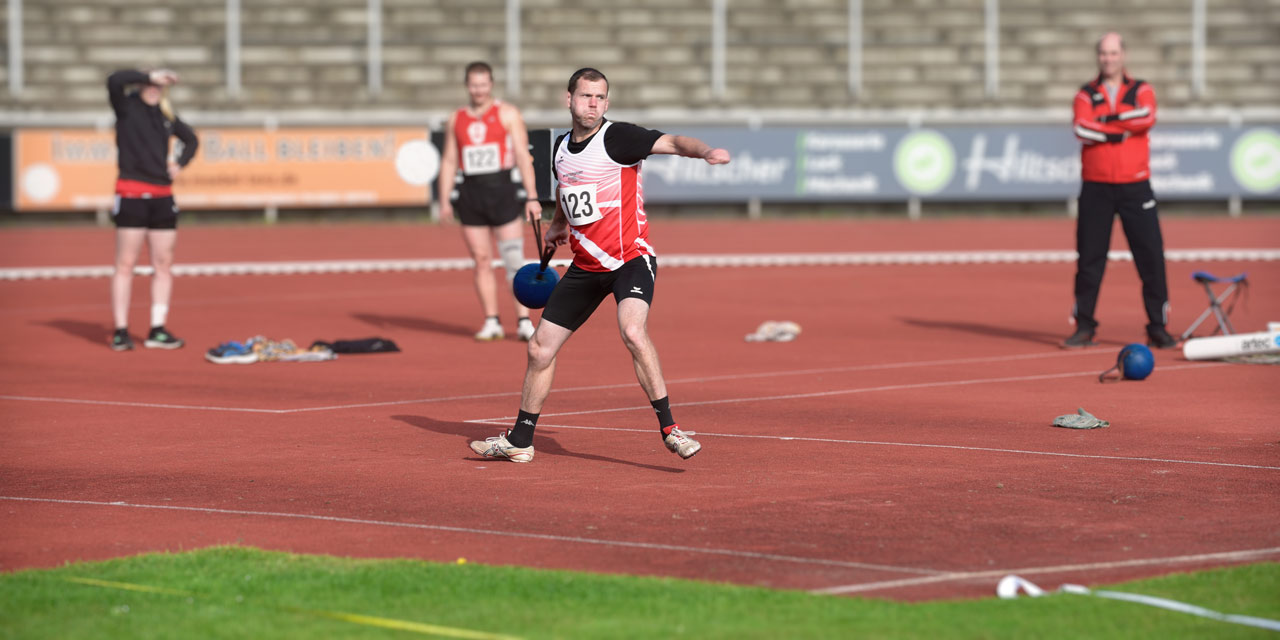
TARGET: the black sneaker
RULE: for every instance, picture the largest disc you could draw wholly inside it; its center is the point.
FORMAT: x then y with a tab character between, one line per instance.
1160	339
160	338
120	340
1080	339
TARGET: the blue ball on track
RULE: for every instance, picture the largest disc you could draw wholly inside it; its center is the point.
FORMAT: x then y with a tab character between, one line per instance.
1135	362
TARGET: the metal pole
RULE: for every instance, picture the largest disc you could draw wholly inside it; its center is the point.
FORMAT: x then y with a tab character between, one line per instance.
993	47
718	10
1197	47
513	48
375	47
15	47
855	48
233	48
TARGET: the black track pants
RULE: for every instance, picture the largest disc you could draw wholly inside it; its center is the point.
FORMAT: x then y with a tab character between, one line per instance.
1136	204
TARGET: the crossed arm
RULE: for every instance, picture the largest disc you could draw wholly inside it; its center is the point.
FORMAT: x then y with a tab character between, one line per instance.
1114	127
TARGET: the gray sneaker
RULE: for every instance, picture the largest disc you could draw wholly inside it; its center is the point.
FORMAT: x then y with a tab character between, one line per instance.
160	338
680	444
498	447
1080	339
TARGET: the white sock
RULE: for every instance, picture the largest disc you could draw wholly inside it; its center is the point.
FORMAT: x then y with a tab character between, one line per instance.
159	313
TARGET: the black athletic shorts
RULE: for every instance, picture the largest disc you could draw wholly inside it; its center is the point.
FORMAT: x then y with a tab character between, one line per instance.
146	213
579	292
488	200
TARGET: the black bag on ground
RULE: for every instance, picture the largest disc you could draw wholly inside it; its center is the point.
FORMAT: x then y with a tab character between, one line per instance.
366	345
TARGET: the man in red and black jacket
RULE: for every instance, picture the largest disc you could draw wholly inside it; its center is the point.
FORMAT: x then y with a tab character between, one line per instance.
1113	114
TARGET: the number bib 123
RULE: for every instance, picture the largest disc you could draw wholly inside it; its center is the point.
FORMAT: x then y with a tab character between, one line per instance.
579	204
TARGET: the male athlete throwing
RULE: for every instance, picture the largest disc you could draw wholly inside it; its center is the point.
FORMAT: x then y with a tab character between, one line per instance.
600	213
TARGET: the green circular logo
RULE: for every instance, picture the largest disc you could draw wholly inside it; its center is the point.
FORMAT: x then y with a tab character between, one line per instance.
1255	160
924	162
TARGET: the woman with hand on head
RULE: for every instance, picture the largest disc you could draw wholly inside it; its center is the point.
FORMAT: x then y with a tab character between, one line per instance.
144	210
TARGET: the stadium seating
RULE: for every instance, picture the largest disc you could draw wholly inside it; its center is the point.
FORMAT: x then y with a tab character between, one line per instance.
311	54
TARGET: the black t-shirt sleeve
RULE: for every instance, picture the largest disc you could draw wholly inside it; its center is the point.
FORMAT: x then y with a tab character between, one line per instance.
628	144
555	148
116	83
190	142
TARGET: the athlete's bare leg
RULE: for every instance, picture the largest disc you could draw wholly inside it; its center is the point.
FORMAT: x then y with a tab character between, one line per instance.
513	230
543	347
633	321
160	243
128	246
479	241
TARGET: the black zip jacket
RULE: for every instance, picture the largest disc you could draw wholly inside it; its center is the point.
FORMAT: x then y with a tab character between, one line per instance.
142	133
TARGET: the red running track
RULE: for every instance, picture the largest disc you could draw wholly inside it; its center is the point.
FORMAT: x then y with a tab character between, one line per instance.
899	448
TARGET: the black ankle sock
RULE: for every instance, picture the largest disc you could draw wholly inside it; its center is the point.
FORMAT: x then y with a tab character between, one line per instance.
521	435
662	407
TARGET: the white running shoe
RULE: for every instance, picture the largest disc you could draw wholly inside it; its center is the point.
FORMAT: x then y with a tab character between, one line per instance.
499	447
524	329
678	443
490	331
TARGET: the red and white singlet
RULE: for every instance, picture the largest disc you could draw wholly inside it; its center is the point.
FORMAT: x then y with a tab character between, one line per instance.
604	203
484	147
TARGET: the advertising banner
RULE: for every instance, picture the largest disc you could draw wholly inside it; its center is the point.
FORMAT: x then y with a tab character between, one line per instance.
75	169
980	162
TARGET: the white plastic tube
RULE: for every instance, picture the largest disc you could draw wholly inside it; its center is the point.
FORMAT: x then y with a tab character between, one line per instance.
1240	344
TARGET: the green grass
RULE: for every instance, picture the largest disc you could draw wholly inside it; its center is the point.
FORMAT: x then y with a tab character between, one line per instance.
235	592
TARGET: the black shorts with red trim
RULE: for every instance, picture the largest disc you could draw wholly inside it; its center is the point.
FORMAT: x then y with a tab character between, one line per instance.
579	292
146	213
488	200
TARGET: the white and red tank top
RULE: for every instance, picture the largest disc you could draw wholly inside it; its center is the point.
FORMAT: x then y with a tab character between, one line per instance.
604	204
484	146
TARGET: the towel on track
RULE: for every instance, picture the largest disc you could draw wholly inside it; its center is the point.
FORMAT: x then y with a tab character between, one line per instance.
1080	420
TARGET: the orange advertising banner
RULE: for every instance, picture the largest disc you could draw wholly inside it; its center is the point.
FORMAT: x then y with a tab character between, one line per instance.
75	169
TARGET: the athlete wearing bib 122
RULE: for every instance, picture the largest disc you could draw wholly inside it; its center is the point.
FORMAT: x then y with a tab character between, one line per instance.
487	196
603	200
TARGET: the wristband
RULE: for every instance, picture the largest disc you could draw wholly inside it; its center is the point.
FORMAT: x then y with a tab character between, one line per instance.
532	200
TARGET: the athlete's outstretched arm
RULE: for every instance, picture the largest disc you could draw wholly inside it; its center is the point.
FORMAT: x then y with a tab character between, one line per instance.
690	148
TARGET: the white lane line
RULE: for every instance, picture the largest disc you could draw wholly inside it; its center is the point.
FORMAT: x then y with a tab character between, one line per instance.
237	300
148	405
854	258
1226	556
510	394
842	392
877	443
652	546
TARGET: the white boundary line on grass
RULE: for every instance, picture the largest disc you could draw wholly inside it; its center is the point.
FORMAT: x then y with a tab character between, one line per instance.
651	546
923	445
1243	555
509	394
927	576
862	258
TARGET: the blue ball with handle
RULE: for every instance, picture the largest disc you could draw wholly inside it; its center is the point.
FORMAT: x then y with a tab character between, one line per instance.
533	285
1135	362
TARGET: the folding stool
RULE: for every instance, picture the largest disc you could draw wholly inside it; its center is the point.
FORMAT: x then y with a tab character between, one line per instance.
1207	279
